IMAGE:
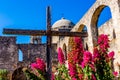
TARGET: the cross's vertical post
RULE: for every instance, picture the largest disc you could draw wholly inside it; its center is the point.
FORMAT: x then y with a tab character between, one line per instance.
48	47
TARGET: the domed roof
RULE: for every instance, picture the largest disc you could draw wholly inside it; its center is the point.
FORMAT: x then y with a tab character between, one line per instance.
63	23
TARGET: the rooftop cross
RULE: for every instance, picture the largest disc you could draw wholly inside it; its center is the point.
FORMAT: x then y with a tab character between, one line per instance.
49	33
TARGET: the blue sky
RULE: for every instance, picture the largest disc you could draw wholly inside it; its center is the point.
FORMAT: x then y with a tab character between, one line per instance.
31	14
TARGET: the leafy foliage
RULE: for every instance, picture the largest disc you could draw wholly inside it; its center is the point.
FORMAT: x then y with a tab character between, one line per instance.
80	64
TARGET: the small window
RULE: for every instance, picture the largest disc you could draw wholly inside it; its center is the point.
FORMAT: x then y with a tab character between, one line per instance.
20	55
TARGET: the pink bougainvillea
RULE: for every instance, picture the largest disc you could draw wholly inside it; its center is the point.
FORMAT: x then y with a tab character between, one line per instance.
39	64
103	42
111	55
72	70
115	73
61	56
87	58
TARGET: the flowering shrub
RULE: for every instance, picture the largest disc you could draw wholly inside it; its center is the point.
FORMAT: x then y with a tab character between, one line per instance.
83	65
38	70
80	64
62	72
75	59
103	60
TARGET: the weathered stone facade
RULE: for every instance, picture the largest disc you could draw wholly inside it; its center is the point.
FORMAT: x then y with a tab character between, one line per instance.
111	27
9	53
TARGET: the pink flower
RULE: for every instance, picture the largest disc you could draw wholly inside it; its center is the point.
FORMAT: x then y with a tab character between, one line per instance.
96	55
83	64
72	70
115	73
93	77
111	55
61	56
40	64
74	78
87	57
34	66
103	42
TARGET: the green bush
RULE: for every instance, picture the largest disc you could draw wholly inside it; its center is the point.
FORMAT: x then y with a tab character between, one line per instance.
3	74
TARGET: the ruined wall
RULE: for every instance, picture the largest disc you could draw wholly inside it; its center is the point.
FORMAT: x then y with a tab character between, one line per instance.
33	51
8	53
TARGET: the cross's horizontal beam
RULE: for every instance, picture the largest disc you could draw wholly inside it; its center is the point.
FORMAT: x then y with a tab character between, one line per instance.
24	32
43	33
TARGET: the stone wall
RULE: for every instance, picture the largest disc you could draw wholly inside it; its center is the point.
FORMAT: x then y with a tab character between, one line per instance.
33	51
8	53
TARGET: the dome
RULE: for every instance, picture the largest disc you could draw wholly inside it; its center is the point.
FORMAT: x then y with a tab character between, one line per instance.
62	23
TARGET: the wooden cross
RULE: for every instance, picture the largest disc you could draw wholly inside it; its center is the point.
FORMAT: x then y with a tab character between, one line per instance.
49	33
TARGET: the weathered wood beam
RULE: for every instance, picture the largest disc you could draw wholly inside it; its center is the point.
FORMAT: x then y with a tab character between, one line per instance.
48	48
24	32
71	34
43	33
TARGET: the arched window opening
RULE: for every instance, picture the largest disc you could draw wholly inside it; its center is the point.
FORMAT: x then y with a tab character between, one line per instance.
95	21
84	29
65	51
20	55
104	16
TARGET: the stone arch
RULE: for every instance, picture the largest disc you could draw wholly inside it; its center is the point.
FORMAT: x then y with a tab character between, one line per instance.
65	50
103	18
18	74
94	21
83	28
